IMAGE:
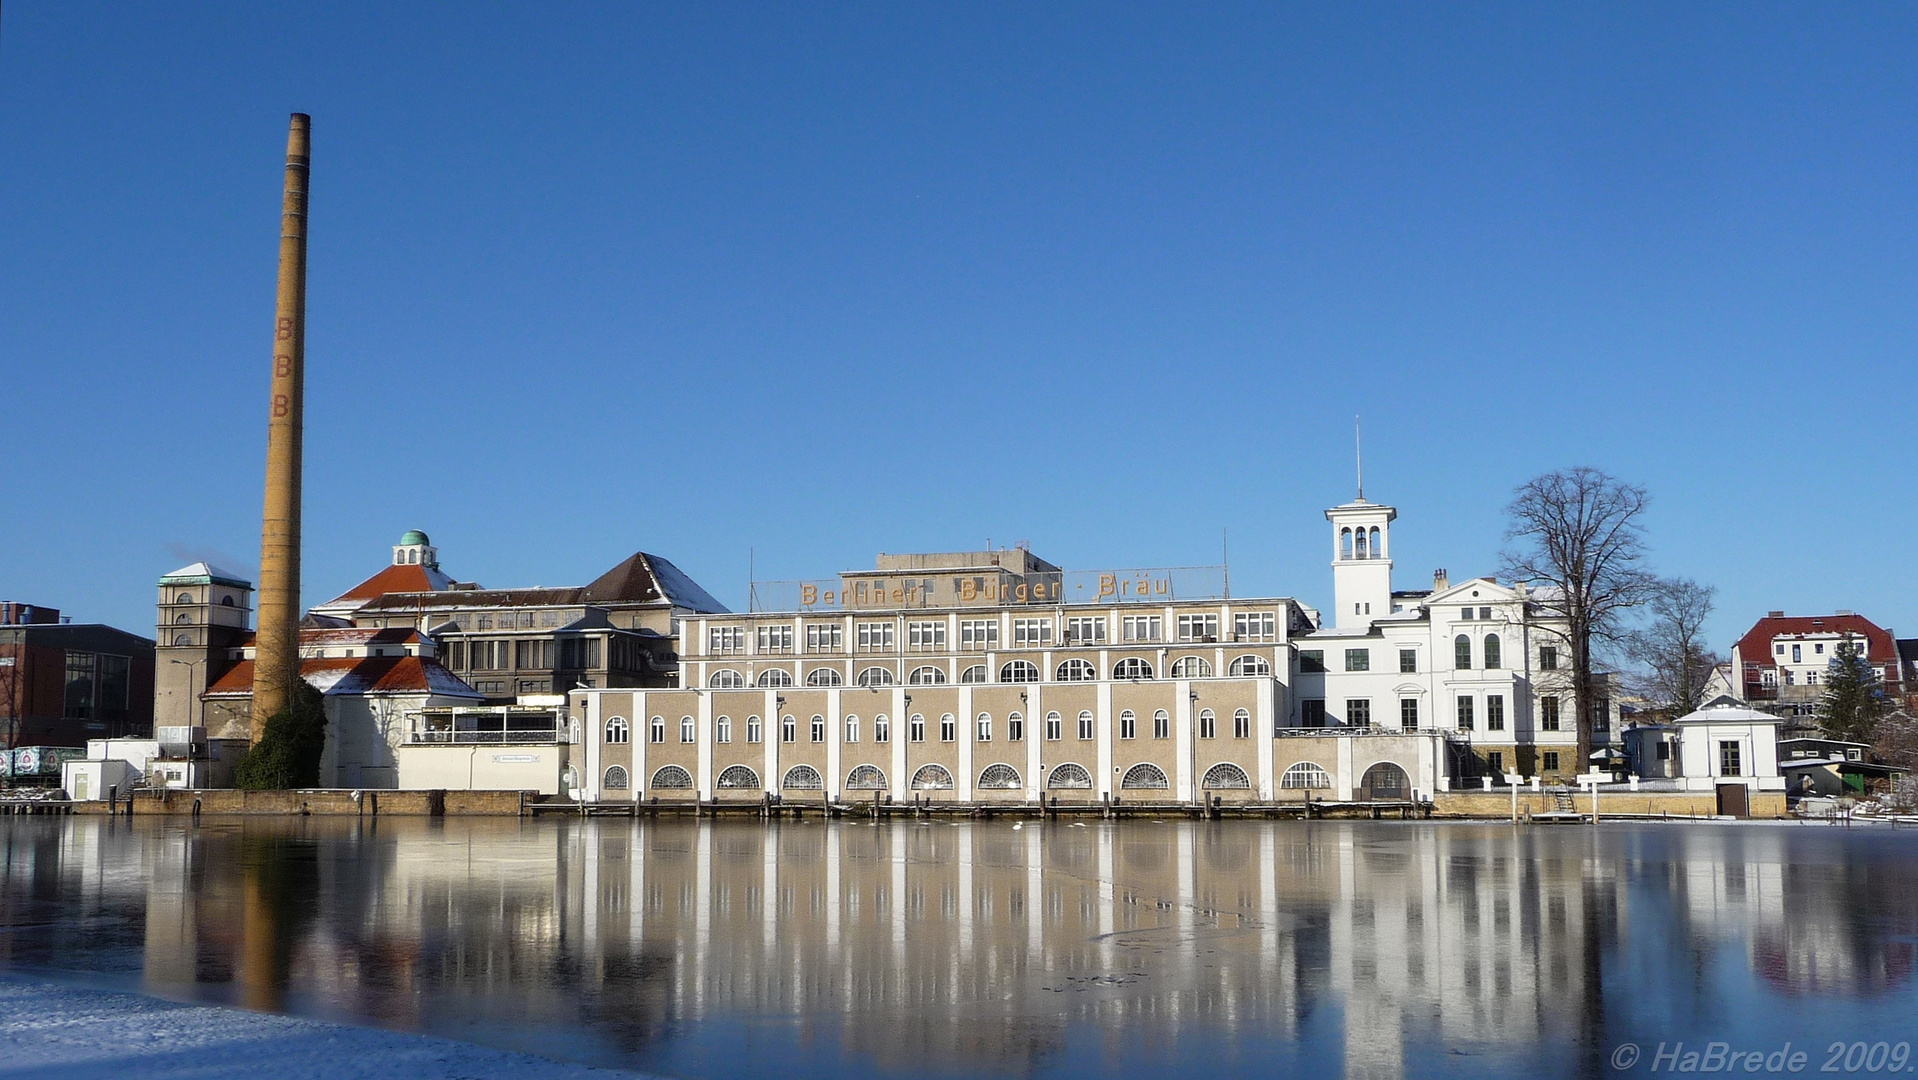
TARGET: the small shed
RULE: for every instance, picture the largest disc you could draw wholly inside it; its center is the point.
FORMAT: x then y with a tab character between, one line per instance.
1732	750
94	781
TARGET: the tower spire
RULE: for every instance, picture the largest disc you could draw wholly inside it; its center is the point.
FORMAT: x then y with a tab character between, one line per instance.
1358	455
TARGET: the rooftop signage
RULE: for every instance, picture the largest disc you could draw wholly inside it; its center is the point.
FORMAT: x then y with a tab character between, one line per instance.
989	587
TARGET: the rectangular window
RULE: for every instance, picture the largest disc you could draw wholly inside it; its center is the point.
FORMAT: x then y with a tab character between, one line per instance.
721	640
1485	614
876	636
755	729
1015	728
825	637
1465	714
1054	727
1358	712
1465	613
1312	712
1797	653
818	729
1495	761
1664	751
533	655
881	728
1551	760
1199	627
788	730
1086	629
1408	661
1409	713
1161	725
486	623
1548	714
1027	632
775	639
1548	658
926	636
79	686
1254	625
1358	659
1128	725
1085	727
1729	763
658	733
1311	661
688	730
985	727
1241	725
978	635
916	729
1495	712
1143	627
948	728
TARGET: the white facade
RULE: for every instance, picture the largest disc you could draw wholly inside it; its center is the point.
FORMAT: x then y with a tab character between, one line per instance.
1727	744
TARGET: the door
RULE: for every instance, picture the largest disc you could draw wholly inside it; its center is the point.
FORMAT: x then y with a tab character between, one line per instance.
1734	800
80	785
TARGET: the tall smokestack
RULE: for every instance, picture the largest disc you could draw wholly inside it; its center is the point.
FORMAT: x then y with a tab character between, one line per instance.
277	642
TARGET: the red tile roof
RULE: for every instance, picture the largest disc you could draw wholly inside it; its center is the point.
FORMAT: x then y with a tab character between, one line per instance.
356	675
1755	648
395	579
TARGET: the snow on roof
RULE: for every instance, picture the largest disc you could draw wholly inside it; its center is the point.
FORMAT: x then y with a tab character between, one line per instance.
1728	714
201	573
357	675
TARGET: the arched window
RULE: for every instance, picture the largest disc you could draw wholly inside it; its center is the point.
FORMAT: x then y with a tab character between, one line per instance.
1304	776
948	728
723	729
672	778
182	619
775	678
1161	725
617	731
1226	776
1128	724
1385	781
852	728
1085	725
984	727
1144	777
865	778
1054	726
974	674
1019	671
927	676
688	730
1250	665
1208	724
876	676
1191	667
1377	551
1462	652
916	727
1241	724
818	728
1000	778
788	728
1069	777
1360	549
184	598
803	778
881	728
1077	671
226	601
1345	543
183	639
932	778
824	676
726	679
1132	667
754	732
616	779
738	778
1492	657
659	729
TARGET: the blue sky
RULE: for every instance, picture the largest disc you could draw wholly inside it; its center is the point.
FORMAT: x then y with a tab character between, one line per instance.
816	282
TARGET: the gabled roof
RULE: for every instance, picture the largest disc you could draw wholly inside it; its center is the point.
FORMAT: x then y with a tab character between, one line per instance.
410	578
357	675
1755	646
644	577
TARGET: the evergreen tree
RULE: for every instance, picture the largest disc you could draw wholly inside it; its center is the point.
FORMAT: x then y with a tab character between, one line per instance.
1854	697
288	753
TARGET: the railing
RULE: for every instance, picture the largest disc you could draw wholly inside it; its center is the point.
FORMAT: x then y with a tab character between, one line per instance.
1333	729
485	738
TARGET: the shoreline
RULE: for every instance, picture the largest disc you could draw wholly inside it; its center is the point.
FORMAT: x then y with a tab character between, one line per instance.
51	1028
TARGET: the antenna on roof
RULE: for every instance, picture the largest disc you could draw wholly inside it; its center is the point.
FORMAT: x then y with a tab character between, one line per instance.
1358	455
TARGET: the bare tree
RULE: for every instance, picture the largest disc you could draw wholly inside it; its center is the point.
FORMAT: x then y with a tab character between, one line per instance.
1677	665
1576	533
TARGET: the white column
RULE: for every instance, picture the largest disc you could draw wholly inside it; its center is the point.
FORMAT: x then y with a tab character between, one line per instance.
642	742
703	732
1346	781
1264	718
1034	712
588	749
1102	770
1186	784
769	731
835	720
968	731
898	779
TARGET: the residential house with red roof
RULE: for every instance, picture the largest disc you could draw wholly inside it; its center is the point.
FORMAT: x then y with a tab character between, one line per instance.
1781	663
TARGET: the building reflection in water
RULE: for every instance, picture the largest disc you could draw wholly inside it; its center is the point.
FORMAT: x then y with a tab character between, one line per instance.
1234	948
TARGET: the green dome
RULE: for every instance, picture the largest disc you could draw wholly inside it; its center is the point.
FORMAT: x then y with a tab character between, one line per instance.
413	537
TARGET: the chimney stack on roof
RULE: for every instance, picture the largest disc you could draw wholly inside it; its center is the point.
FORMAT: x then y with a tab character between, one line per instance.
1441	580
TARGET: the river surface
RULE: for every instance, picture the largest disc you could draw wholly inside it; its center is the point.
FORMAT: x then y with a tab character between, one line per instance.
1366	950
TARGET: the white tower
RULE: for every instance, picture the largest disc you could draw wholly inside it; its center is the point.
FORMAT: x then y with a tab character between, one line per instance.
1361	562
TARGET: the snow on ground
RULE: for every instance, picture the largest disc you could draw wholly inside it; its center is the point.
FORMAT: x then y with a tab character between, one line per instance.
54	1031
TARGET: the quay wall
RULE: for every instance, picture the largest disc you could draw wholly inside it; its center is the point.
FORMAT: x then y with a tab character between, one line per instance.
1498	804
321	801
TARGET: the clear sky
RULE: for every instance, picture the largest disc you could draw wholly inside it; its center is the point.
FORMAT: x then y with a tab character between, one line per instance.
816	282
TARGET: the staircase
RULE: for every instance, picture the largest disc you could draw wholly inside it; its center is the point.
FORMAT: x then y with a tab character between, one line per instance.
1564	799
